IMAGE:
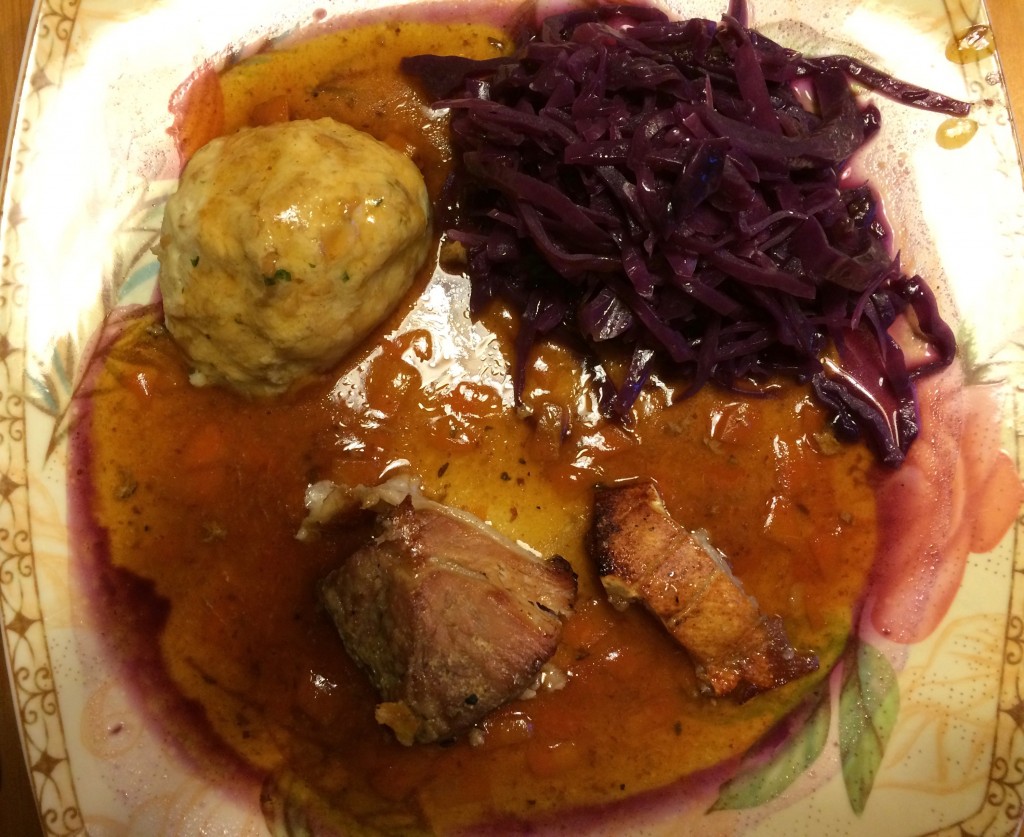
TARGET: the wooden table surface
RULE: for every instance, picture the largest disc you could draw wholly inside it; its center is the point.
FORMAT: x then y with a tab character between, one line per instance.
17	809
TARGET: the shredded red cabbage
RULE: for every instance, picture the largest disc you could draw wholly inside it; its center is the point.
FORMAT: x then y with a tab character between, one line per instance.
676	187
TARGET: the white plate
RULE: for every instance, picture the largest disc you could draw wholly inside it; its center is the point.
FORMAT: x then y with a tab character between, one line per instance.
90	165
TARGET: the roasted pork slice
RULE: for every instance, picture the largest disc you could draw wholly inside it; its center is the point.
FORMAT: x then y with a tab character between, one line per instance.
449	618
644	555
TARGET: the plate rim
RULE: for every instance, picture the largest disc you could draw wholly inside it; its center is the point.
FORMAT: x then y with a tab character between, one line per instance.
33	690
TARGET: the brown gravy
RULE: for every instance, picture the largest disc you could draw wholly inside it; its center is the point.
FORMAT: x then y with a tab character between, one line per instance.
200	494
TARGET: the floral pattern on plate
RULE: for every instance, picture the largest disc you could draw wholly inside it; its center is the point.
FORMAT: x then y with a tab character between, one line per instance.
921	728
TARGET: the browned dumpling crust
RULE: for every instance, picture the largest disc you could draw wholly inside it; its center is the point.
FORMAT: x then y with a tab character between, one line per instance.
284	246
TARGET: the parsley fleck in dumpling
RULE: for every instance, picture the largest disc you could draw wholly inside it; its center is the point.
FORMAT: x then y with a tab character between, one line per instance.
284	246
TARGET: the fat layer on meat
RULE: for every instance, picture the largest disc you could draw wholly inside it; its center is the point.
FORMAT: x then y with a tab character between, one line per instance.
643	555
449	618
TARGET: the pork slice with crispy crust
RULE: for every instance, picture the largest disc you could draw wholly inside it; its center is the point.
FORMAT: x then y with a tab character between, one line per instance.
644	555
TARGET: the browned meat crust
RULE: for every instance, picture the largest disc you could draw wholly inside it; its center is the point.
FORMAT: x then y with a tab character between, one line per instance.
643	555
449	619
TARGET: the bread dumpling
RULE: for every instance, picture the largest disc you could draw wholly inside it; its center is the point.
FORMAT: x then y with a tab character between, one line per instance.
284	246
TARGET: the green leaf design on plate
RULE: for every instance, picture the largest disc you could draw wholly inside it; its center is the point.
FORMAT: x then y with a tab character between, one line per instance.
50	387
868	705
762	783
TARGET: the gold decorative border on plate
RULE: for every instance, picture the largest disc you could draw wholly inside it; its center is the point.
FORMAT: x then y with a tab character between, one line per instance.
24	635
24	629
